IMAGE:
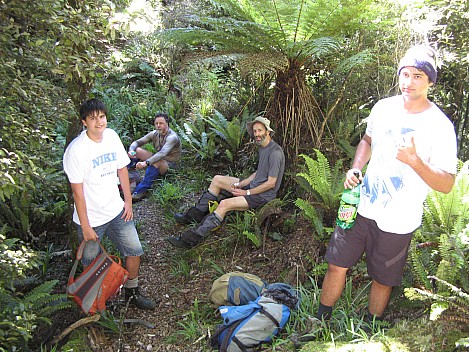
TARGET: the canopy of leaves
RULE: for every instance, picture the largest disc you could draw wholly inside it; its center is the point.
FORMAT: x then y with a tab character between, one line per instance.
295	30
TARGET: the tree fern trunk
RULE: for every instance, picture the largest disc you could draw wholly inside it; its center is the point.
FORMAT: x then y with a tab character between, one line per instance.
294	111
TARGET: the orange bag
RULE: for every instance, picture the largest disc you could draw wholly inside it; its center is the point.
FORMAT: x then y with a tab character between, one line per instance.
100	281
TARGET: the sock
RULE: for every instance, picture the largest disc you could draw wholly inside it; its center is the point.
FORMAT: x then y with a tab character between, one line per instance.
371	317
324	312
131	283
218	216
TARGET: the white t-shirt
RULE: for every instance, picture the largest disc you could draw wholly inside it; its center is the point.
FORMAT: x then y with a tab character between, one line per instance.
95	165
392	193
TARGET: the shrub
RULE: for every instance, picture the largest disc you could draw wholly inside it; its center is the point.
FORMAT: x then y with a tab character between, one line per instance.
20	314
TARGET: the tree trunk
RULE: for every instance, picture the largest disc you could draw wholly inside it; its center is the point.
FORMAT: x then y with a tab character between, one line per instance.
295	113
78	92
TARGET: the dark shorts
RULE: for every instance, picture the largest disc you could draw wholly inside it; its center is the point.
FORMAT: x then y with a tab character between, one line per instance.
254	200
386	252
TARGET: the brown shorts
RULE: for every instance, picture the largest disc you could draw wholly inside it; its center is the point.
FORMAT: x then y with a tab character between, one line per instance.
386	252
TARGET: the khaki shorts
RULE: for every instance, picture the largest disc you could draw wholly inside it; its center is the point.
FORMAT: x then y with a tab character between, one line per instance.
386	252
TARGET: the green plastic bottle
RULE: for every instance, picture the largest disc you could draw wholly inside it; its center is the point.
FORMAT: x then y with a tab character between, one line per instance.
348	206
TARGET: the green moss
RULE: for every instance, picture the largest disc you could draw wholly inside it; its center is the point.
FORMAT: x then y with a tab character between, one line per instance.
371	346
424	335
420	335
76	342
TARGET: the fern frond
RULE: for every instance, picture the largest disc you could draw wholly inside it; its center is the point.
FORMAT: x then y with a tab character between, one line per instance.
60	302
310	213
252	237
445	221
448	213
38	292
324	182
318	48
357	60
44	303
419	259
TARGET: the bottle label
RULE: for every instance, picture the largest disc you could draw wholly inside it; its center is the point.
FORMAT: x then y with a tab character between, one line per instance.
346	212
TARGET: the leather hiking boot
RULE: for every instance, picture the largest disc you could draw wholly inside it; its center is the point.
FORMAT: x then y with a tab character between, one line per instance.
137	299
136	197
179	242
182	219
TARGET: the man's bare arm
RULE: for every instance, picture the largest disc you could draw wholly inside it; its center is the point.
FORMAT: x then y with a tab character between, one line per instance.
437	179
80	204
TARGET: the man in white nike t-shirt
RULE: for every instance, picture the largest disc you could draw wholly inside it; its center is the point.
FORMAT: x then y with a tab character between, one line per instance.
93	162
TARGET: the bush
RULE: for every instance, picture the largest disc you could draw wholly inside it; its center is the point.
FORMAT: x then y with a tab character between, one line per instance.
21	313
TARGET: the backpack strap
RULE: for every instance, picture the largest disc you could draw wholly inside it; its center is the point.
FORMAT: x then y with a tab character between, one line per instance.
229	331
81	248
239	344
270	316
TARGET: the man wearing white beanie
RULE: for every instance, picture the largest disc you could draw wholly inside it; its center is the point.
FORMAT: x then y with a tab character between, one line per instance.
410	148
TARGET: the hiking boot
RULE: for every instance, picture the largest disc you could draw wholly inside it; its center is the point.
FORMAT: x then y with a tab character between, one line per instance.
182	219
137	299
193	215
179	242
136	197
133	163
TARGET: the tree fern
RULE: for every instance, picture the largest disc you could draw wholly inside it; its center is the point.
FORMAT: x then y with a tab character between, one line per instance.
289	41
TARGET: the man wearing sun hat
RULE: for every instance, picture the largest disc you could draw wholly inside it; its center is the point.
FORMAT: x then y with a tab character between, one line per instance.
410	148
249	193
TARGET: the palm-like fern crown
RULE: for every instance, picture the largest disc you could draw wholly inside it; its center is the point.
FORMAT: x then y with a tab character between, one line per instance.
282	30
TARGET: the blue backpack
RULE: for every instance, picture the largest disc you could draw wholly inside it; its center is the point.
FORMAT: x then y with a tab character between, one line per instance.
248	326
